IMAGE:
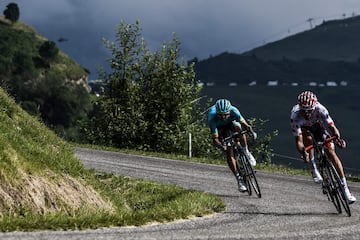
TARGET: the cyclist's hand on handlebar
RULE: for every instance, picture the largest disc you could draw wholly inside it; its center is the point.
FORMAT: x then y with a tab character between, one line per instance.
340	142
224	147
254	135
305	156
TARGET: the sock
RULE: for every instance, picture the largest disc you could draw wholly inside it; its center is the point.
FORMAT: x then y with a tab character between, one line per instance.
237	175
344	181
314	164
247	150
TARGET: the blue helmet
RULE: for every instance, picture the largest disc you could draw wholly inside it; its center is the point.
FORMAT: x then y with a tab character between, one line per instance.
223	106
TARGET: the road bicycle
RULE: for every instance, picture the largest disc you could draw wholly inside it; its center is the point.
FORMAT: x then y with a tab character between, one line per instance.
332	185
242	162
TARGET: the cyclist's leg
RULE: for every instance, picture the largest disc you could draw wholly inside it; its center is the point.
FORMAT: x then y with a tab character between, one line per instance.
231	160
224	132
308	140
236	127
243	141
308	134
232	165
330	151
340	170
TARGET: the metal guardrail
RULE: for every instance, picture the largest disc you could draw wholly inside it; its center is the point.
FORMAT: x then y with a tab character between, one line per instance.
352	170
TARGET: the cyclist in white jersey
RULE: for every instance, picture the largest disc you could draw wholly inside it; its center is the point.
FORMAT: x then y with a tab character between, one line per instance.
309	118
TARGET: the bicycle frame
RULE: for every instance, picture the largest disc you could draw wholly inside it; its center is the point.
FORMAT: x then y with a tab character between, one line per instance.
332	185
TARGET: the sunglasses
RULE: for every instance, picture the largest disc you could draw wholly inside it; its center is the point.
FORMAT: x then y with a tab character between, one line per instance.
307	111
223	114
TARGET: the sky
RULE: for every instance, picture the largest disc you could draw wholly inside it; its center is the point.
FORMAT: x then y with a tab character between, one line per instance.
204	27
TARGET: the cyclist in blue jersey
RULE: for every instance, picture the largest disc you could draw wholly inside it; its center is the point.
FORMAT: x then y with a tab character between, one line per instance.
223	119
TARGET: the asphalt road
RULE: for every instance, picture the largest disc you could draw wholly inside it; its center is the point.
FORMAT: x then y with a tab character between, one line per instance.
291	207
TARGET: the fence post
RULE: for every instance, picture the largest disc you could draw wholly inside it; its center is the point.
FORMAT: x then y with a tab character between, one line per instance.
190	153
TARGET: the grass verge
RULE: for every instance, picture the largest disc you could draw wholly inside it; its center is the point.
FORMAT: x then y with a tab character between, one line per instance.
137	203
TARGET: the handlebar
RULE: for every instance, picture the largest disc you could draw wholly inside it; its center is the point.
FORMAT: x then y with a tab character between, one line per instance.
236	134
308	148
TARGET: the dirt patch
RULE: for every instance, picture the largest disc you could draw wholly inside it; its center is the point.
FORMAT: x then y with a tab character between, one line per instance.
58	194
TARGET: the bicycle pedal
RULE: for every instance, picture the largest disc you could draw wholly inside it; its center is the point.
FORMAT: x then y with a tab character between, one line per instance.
324	191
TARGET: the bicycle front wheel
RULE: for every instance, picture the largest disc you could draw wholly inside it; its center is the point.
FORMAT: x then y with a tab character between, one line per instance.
251	177
329	185
339	187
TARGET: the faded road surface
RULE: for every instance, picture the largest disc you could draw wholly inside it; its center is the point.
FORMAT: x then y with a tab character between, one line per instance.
290	208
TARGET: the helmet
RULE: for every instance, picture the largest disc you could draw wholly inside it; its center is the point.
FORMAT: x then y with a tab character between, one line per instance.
223	106
307	100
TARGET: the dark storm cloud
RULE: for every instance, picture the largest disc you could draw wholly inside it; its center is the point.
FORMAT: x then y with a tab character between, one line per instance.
204	27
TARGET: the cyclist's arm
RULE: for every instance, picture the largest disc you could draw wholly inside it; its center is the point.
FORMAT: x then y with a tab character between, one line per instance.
239	118
327	118
246	125
334	130
215	136
217	142
301	148
299	144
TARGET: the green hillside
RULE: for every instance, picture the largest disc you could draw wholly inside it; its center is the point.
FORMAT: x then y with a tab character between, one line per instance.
335	40
20	40
44	81
327	53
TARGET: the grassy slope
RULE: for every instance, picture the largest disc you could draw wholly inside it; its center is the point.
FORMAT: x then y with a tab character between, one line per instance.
43	185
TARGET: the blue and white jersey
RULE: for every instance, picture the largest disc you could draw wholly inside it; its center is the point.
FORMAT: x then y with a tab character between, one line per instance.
214	122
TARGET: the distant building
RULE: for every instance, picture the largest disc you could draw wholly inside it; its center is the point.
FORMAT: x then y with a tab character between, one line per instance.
210	84
272	83
233	84
294	84
343	83
253	83
312	84
331	84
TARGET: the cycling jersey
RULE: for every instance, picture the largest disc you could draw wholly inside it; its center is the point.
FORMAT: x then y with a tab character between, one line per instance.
319	115
215	122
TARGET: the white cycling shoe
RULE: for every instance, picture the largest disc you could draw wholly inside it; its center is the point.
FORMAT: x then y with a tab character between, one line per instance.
317	176
251	158
241	185
351	199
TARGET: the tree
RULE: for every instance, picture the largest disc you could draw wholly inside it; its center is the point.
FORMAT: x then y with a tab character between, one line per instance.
48	50
12	12
149	96
151	101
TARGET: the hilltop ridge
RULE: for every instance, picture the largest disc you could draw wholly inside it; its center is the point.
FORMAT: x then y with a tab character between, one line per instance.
328	52
333	40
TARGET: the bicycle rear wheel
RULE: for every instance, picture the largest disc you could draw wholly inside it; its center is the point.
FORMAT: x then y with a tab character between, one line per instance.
339	188
251	177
